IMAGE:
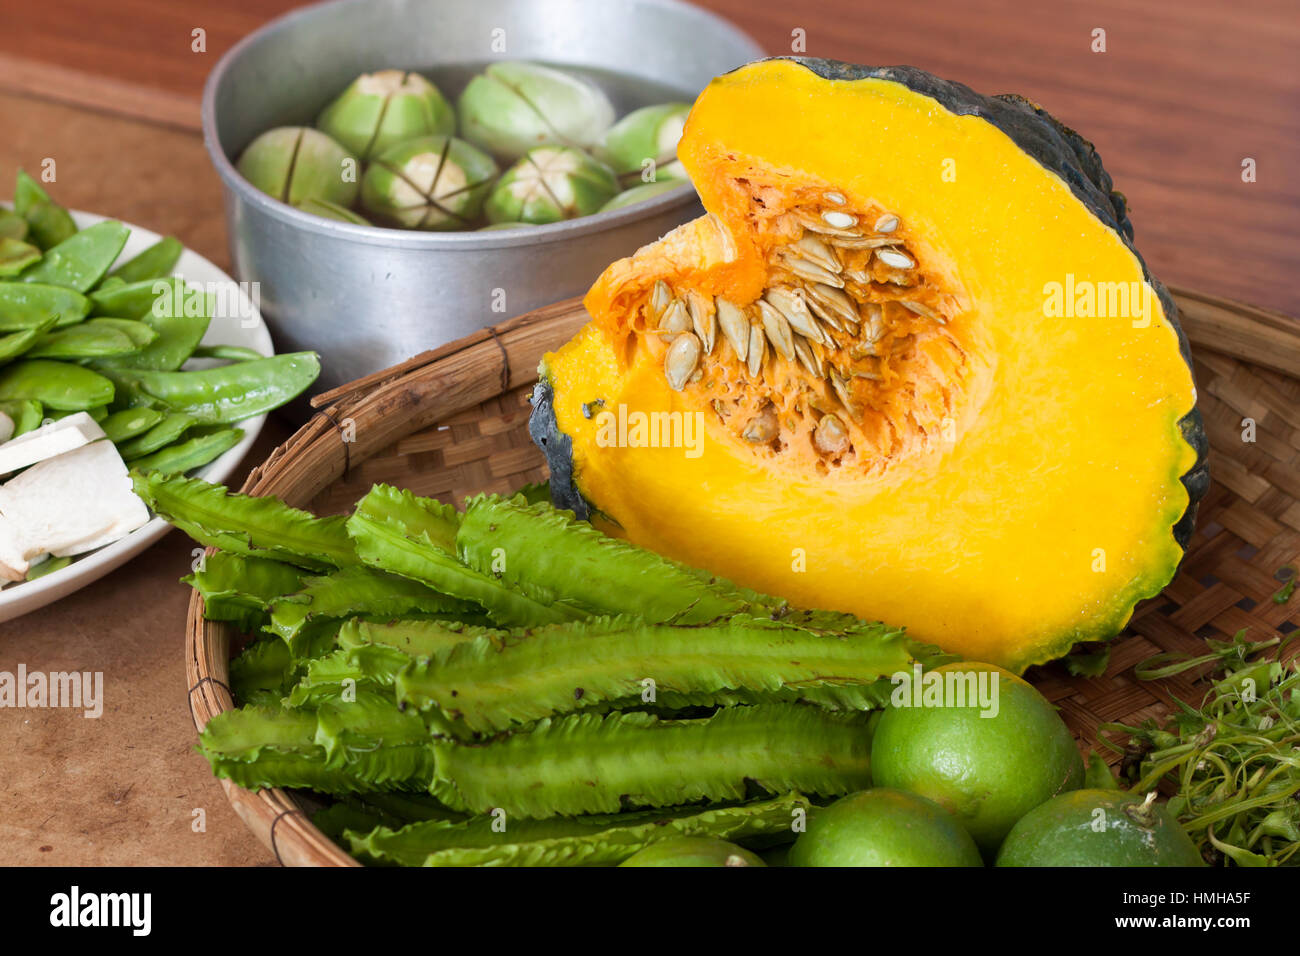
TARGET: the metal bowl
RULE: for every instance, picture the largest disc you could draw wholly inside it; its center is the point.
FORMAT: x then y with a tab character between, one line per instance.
368	297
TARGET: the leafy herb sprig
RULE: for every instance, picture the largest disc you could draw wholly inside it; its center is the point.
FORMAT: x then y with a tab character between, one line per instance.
1235	760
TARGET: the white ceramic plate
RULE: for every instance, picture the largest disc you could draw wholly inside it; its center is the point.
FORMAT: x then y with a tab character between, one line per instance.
231	326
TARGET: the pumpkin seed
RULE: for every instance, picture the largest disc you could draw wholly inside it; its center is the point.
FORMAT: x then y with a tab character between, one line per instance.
757	350
814	250
792	305
818	225
895	258
682	360
923	310
702	312
841	389
831	437
835	198
735	327
808	357
839	220
865	242
762	428
811	272
777	329
835	303
660	298
886	223
675	318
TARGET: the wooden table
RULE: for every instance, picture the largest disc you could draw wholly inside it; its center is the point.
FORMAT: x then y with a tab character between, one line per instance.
1185	92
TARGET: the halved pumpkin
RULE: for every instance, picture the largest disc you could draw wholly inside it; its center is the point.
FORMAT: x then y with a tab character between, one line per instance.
908	366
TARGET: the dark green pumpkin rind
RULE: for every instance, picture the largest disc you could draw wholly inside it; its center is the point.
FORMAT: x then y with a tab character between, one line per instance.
1057	149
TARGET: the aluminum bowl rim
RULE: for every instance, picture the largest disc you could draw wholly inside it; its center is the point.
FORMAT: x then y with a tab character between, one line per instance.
414	238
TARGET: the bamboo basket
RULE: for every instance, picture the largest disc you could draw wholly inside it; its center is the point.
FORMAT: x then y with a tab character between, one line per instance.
453	422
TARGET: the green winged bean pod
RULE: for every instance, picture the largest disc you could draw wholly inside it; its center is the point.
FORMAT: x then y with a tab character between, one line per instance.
598	840
241	588
334	749
556	558
243	524
396	532
585	763
495	682
359	590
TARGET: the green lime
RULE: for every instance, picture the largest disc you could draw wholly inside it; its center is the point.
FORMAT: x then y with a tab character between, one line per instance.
693	851
1099	828
883	827
980	742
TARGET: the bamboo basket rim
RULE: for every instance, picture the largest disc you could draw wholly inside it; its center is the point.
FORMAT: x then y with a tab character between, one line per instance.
359	419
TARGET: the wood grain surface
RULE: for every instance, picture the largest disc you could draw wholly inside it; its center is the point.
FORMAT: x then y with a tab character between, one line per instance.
1186	90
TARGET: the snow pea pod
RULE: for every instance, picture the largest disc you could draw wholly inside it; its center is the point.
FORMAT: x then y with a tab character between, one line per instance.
26	414
227	353
16	255
58	385
88	340
141	333
129	422
135	300
12	225
19	343
155	262
24	305
97	413
27	192
207	444
81	260
48	566
176	338
166	431
49	224
227	393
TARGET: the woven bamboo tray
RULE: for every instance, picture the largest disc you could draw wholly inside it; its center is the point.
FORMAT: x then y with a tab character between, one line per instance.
453	422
